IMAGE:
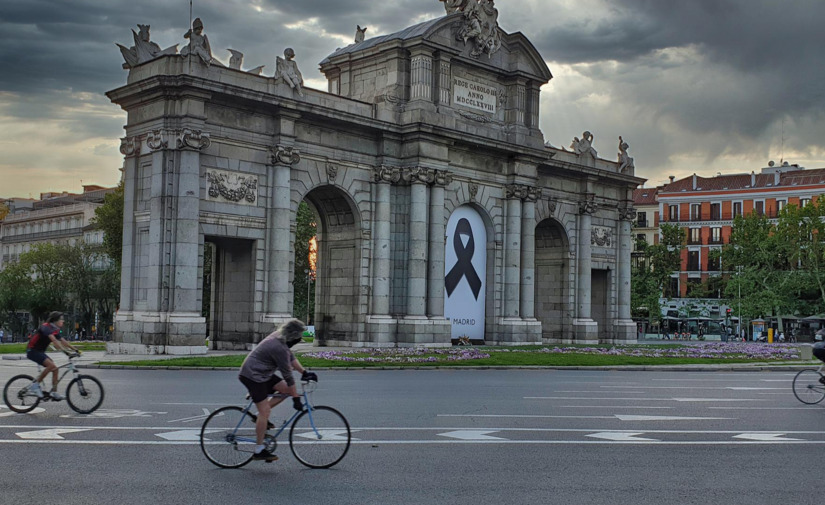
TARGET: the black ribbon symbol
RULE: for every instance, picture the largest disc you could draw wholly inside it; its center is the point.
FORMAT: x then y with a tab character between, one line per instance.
464	266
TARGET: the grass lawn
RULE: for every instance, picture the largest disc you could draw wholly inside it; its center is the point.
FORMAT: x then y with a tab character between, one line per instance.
20	348
579	355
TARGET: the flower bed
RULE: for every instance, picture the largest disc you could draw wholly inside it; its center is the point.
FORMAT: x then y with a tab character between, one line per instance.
400	355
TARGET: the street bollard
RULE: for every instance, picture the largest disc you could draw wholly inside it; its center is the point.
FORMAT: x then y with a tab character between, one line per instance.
806	352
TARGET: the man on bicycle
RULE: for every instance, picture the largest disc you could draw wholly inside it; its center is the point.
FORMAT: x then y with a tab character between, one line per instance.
258	375
48	333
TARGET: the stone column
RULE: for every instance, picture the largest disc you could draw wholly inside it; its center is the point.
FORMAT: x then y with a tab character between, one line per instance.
624	327
512	252
435	279
279	235
383	177
130	148
586	329
419	179
528	254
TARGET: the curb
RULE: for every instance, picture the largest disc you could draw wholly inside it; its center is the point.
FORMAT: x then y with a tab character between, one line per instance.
625	368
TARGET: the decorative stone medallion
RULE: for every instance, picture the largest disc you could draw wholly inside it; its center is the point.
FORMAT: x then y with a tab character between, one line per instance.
601	236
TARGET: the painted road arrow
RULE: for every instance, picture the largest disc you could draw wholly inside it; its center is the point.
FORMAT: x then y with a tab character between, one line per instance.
326	435
51	434
621	436
182	435
471	435
766	437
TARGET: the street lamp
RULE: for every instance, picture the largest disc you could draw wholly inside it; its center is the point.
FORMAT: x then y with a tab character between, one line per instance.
739	311
309	279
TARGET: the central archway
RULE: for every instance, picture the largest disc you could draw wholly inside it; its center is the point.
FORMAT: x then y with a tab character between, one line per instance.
339	283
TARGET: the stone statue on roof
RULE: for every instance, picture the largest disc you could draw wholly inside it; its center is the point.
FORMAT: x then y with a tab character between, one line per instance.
198	43
455	5
287	69
359	33
625	161
144	49
583	145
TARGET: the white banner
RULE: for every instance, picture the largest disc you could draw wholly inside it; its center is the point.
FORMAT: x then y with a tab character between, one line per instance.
465	263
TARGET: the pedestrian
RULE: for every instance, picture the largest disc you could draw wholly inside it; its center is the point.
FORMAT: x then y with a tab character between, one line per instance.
742	334
781	336
1	336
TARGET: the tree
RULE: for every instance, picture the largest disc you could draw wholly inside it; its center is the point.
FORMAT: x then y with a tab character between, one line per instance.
305	229
48	268
4	211
15	296
109	218
650	277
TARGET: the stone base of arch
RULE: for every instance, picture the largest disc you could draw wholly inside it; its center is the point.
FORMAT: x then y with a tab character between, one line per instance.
625	331
516	331
586	331
142	332
381	331
416	331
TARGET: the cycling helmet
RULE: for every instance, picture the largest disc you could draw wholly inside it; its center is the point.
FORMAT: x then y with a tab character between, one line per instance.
292	332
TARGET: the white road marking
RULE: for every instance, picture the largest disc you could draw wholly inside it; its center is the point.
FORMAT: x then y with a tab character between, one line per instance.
765	437
760	408
113	414
521	416
621	436
471	435
326	435
10	413
647	399
614	407
49	434
182	435
625	417
196	418
732	388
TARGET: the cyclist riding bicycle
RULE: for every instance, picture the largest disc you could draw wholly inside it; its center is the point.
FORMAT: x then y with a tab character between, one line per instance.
258	375
48	333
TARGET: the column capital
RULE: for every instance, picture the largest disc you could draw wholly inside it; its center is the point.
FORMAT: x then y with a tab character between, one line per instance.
284	155
189	138
522	192
627	213
157	139
588	205
443	178
130	146
386	174
423	175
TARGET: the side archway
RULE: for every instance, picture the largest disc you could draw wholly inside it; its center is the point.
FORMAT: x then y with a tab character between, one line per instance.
554	305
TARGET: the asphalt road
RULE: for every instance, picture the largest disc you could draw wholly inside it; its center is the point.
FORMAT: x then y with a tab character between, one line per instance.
463	437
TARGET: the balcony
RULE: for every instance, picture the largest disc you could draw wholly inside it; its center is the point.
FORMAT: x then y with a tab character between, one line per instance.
643	224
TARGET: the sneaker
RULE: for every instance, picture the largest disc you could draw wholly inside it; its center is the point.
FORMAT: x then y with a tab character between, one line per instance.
264	455
56	396
35	390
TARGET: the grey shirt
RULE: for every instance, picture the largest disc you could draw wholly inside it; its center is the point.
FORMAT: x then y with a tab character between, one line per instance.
269	356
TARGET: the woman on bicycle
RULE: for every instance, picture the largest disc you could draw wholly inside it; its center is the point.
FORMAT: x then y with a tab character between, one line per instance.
48	333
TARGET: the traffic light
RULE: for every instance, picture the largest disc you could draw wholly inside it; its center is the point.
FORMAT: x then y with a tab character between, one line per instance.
728	311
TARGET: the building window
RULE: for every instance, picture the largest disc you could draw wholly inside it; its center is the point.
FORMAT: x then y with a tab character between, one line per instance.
641	219
737	209
693	261
672	288
716	235
803	202
673	213
694	236
759	207
695	211
716	211
780	204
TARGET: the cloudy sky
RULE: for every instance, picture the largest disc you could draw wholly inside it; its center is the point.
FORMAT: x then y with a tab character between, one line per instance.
700	86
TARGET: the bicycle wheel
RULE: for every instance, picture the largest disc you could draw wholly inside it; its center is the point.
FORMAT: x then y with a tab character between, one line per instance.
84	394
807	388
228	437
16	394
320	439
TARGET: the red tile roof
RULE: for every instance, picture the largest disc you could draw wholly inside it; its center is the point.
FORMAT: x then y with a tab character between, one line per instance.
645	196
743	181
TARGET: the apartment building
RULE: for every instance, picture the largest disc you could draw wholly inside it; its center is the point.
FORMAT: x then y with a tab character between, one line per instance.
706	207
54	218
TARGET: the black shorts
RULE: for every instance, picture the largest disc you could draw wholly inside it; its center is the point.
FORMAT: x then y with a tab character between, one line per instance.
38	357
260	390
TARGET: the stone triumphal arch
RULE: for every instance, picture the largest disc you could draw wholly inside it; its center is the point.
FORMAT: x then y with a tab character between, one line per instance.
437	120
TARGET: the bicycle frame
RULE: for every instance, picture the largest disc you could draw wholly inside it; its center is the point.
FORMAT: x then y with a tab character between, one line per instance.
307	406
68	366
